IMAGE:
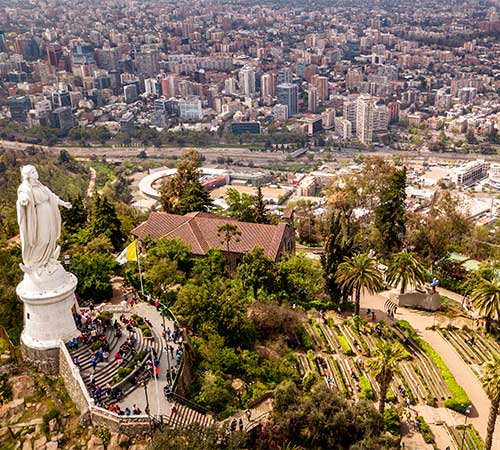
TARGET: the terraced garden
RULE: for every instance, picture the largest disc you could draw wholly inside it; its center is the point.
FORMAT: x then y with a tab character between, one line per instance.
340	350
474	348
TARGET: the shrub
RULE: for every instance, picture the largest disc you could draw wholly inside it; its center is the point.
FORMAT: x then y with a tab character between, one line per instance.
389	396
104	434
5	391
305	339
425	430
392	421
53	413
124	372
96	345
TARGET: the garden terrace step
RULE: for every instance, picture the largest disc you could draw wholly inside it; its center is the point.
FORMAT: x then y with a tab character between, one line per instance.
346	373
350	339
413	381
431	372
330	338
303	363
463	349
310	329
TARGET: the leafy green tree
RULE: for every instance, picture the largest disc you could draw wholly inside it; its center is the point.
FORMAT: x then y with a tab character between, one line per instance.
313	420
104	220
299	281
491	384
384	364
183	192
485	271
390	213
212	266
11	309
340	244
94	272
256	272
357	274
406	270
486	299
240	205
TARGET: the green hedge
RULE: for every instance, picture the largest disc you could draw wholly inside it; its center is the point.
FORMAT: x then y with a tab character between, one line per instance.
346	348
459	400
425	430
366	388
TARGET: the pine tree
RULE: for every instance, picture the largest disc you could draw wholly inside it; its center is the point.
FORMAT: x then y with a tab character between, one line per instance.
390	214
75	218
183	192
261	214
104	220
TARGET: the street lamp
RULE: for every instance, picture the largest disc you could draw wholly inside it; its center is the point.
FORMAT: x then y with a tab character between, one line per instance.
467	412
144	384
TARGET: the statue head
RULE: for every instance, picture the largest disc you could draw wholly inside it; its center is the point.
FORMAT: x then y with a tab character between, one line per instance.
29	173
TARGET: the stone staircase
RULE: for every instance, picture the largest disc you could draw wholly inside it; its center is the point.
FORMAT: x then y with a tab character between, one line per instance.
106	371
188	413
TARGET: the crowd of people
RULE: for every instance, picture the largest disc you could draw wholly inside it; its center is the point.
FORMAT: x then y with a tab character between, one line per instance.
93	329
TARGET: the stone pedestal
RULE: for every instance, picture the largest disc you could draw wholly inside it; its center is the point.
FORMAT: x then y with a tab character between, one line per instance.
429	301
48	299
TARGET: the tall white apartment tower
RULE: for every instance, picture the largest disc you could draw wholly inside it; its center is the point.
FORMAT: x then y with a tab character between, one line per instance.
247	81
364	118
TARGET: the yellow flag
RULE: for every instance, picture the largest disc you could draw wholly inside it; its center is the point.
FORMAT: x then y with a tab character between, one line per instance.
129	253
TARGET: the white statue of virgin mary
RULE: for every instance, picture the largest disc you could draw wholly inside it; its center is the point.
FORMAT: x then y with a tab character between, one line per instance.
39	221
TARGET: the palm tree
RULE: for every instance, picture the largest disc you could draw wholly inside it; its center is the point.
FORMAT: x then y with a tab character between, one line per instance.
406	270
486	299
491	384
358	273
229	232
384	364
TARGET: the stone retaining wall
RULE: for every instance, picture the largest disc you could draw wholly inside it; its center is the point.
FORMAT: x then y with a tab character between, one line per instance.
132	426
45	361
73	380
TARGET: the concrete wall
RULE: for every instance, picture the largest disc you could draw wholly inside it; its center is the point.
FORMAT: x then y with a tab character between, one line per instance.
423	300
133	426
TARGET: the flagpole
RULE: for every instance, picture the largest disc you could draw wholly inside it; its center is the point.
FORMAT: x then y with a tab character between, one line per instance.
139	266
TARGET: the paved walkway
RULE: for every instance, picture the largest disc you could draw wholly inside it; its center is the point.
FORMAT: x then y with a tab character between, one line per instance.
420	320
157	402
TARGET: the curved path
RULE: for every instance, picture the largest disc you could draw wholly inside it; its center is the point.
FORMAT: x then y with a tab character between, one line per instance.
420	320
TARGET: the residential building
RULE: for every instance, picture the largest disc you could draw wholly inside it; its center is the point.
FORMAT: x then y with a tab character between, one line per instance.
288	94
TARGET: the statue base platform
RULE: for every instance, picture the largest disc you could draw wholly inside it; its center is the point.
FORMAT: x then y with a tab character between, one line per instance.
49	303
44	361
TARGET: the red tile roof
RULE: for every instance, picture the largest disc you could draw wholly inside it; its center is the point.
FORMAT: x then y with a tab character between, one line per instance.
199	231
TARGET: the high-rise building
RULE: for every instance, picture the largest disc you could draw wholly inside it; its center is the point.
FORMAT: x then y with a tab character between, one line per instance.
353	79
169	86
247	81
3	42
83	54
230	86
54	54
394	108
107	58
364	118
130	93
148	61
19	107
62	118
312	100
27	46
151	86
381	117
322	86
328	118
288	94
60	99
350	111
190	109
285	75
267	86
343	128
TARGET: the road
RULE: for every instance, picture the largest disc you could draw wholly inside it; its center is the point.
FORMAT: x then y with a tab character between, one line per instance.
231	152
